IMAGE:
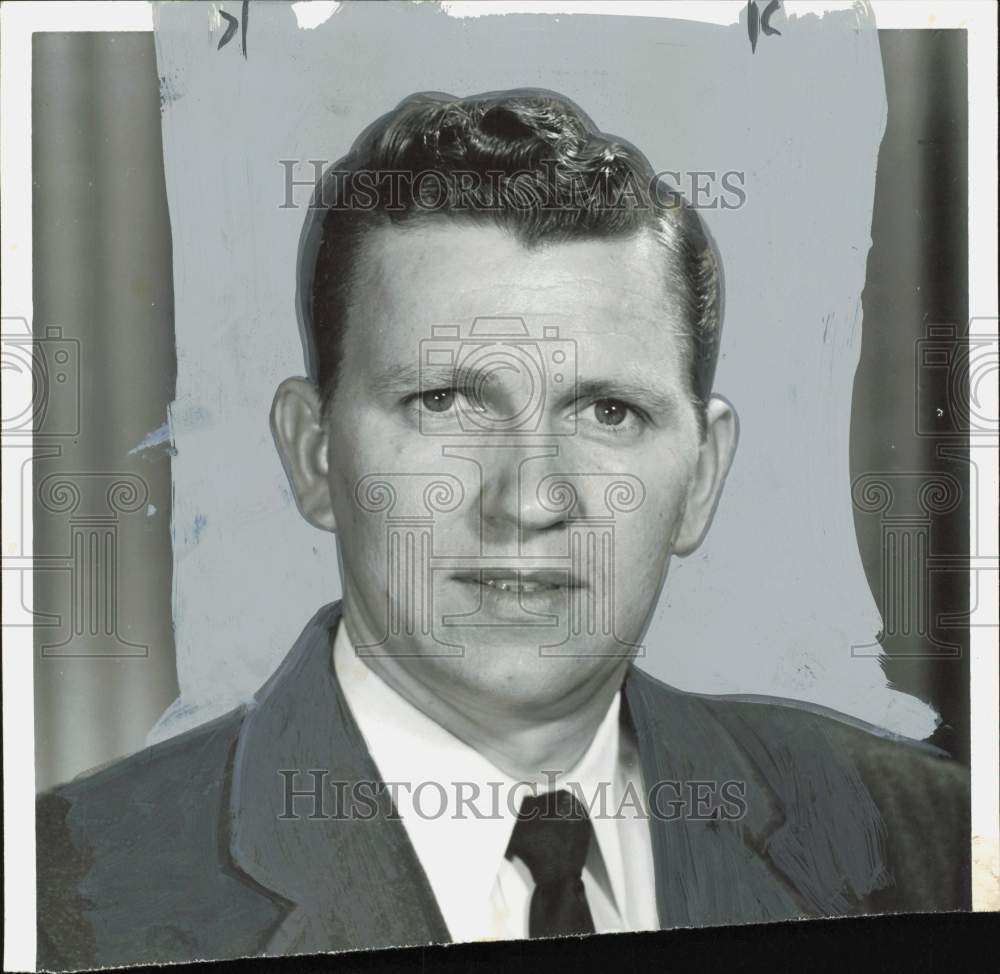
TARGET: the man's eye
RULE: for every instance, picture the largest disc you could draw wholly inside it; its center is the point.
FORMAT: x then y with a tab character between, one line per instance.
438	400
610	412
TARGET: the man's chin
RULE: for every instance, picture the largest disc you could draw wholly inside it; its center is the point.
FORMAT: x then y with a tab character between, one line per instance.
517	669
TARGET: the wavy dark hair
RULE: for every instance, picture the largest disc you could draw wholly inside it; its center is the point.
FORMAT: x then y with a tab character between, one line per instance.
526	160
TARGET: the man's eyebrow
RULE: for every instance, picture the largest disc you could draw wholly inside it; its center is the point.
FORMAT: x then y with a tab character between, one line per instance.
395	379
405	378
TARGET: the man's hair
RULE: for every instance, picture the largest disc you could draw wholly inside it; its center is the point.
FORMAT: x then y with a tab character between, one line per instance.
528	161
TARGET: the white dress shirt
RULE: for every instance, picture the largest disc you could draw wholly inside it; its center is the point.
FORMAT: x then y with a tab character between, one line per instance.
459	811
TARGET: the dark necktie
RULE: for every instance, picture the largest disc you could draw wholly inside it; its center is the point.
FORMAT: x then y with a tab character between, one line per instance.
552	836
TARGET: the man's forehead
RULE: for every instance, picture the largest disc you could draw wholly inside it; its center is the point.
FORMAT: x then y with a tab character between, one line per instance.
414	279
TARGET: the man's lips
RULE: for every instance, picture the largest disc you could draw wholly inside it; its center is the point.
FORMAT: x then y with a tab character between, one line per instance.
519	580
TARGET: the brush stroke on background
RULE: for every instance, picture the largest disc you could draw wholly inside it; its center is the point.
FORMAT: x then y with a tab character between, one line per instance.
775	599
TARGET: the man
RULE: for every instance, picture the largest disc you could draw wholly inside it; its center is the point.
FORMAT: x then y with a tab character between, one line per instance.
512	327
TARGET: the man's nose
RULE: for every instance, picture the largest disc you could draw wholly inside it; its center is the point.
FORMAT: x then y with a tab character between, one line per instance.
515	504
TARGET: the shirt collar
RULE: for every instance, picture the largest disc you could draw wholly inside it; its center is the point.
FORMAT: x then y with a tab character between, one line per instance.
431	770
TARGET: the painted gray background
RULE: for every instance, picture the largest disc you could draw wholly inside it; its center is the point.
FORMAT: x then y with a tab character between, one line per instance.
776	598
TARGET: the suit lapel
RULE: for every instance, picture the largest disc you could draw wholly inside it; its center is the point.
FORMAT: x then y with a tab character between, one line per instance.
708	872
344	866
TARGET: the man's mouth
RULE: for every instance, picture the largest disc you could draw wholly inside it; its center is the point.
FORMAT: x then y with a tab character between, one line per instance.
520	582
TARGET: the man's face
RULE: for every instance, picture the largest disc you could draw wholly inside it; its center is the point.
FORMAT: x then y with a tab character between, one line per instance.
511	457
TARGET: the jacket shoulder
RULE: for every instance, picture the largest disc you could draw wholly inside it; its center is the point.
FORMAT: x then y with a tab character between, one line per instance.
923	798
133	865
904	775
861	789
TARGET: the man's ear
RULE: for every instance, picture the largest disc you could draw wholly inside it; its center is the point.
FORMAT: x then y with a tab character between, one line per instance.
297	427
714	459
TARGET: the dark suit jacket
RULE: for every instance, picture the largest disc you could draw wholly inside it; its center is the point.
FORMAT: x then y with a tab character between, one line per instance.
179	853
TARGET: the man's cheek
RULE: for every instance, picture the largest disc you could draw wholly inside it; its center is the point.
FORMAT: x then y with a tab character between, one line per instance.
645	540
